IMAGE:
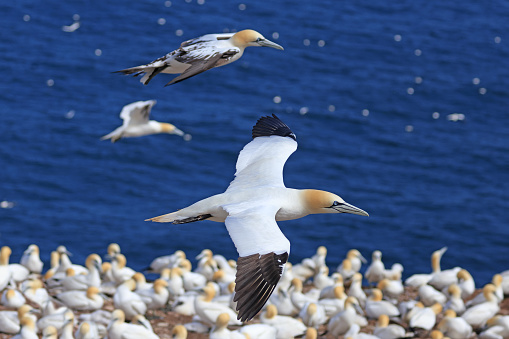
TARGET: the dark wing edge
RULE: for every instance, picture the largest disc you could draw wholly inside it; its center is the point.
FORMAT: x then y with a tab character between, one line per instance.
267	126
256	278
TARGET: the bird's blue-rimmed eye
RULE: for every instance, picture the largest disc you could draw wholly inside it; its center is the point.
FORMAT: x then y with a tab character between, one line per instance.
335	203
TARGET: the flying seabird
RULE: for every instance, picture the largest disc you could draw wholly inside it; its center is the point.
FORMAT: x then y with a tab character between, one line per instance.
254	201
201	54
136	123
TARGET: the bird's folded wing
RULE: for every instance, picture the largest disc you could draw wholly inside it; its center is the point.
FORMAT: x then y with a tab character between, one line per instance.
263	251
136	113
261	162
207	37
201	63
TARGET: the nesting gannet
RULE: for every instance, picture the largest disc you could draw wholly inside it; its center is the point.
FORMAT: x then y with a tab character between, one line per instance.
12	298
498	328
395	272
157	296
18	272
119	329
87	330
287	327
31	259
66	331
454	327
167	261
336	304
139	319
356	259
428	295
466	283
88	300
201	54
384	330
208	310
179	332
28	330
5	272
84	281
341	322
129	302
375	306
33	290
328	292
375	271
419	279
391	288
255	200
455	301
137	124
119	270
50	332
220	330
313	315
424	317
356	289
480	298
477	315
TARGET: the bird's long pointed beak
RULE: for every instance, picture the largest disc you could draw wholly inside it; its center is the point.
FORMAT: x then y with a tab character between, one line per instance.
178	132
347	208
268	43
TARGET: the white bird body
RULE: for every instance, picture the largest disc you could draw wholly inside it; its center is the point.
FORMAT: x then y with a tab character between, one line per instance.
341	322
384	330
200	54
498	328
375	306
375	271
88	300
12	298
466	283
156	297
313	315
424	317
454	327
478	315
429	295
28	330
391	288
208	311
220	330
118	329
258	331
356	290
136	123
84	281
35	292
419	279
443	279
455	301
128	301
336	304
167	261
286	327
254	201
87	330
184	304
31	259
9	322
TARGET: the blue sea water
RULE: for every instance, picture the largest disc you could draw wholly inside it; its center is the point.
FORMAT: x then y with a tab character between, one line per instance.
366	86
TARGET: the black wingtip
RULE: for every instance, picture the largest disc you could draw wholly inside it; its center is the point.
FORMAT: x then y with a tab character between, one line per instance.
267	126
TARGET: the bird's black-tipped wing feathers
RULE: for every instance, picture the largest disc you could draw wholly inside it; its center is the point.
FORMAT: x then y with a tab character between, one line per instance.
267	126
256	278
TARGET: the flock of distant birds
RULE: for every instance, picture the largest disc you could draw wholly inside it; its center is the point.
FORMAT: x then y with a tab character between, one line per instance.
67	300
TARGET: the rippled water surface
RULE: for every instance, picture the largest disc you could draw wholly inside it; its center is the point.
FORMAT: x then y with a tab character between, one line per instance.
366	86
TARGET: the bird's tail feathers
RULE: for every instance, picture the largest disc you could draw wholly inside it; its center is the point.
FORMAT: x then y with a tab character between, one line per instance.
149	72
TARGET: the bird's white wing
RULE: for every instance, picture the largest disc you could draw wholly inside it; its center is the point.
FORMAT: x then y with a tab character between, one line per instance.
207	38
261	162
263	251
137	113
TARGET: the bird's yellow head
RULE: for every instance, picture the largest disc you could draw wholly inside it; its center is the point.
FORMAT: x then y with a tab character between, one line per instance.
249	37
318	202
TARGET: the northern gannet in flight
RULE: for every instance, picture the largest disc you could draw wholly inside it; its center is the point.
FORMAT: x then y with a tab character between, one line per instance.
136	123
250	207
201	54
